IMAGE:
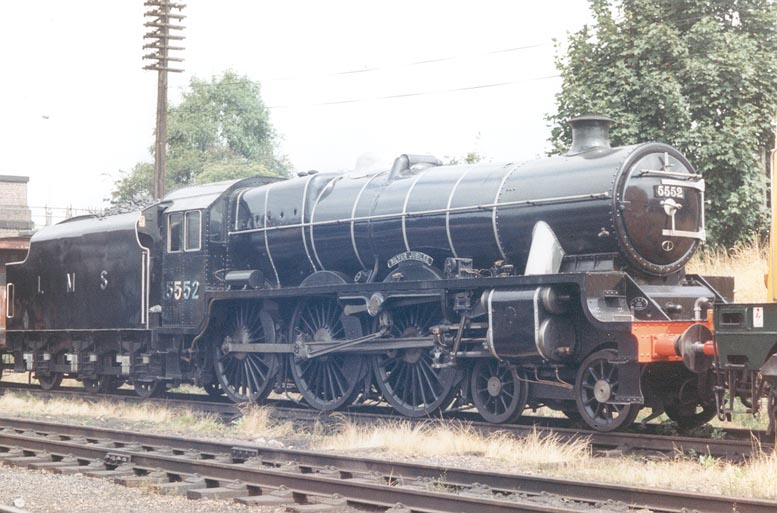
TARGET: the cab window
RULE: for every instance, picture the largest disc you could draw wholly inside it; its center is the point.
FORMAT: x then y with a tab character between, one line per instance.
175	232
184	231
215	223
193	224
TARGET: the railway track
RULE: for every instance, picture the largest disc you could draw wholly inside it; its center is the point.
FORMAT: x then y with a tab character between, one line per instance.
735	444
254	474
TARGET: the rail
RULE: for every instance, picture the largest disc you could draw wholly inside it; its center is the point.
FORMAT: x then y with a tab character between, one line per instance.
247	471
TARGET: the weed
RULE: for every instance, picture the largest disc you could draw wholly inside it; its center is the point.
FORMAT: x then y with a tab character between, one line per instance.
747	262
457	439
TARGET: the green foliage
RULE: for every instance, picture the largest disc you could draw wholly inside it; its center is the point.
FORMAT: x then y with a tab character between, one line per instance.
697	74
221	130
471	157
134	188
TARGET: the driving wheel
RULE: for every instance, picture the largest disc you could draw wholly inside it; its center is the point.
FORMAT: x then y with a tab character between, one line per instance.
332	380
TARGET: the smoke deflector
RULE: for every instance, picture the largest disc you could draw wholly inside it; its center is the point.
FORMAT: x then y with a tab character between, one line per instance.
545	253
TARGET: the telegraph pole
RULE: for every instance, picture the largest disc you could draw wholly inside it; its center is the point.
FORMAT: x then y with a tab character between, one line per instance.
160	14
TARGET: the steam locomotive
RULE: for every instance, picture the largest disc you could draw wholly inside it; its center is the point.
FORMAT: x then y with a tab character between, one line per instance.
556	282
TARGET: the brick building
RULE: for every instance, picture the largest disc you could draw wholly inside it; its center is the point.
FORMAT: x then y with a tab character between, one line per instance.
16	228
15	215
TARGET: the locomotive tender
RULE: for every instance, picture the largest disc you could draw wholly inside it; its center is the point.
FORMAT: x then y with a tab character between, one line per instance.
556	282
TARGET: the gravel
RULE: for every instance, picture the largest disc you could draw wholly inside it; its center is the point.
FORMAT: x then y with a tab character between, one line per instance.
44	492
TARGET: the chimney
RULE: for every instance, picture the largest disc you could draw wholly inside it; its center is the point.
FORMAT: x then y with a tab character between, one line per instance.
590	132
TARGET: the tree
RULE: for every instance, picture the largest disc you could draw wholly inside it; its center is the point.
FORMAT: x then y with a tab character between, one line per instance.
697	74
221	130
471	157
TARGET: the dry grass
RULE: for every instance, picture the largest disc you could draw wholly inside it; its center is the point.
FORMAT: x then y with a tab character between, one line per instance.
748	264
143	415
456	439
256	421
754	479
456	444
461	445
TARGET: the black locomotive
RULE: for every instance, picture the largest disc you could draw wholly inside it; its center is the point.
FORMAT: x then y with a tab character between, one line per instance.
556	282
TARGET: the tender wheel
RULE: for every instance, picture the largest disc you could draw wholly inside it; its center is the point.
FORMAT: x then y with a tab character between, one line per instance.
405	377
90	385
245	376
597	382
329	381
50	381
146	389
109	384
687	408
100	385
213	389
497	391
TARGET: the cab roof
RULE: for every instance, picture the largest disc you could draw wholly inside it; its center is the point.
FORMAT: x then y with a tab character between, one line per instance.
199	197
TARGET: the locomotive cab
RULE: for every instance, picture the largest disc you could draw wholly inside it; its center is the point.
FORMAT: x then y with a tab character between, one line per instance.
193	226
183	265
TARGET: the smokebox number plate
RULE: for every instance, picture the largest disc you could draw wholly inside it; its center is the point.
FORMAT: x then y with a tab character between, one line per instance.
668	191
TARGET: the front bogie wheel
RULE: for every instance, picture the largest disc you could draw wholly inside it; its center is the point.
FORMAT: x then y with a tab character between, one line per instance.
497	391
596	385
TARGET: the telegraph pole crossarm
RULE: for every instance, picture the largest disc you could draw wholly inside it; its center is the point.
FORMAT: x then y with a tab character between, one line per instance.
160	14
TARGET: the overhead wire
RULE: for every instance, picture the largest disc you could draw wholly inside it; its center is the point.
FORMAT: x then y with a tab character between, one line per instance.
412	63
418	93
374	68
377	68
184	112
421	62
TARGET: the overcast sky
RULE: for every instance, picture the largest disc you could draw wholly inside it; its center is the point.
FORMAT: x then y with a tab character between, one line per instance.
77	107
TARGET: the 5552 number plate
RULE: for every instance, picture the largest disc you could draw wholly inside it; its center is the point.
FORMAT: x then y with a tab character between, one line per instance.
182	290
668	191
